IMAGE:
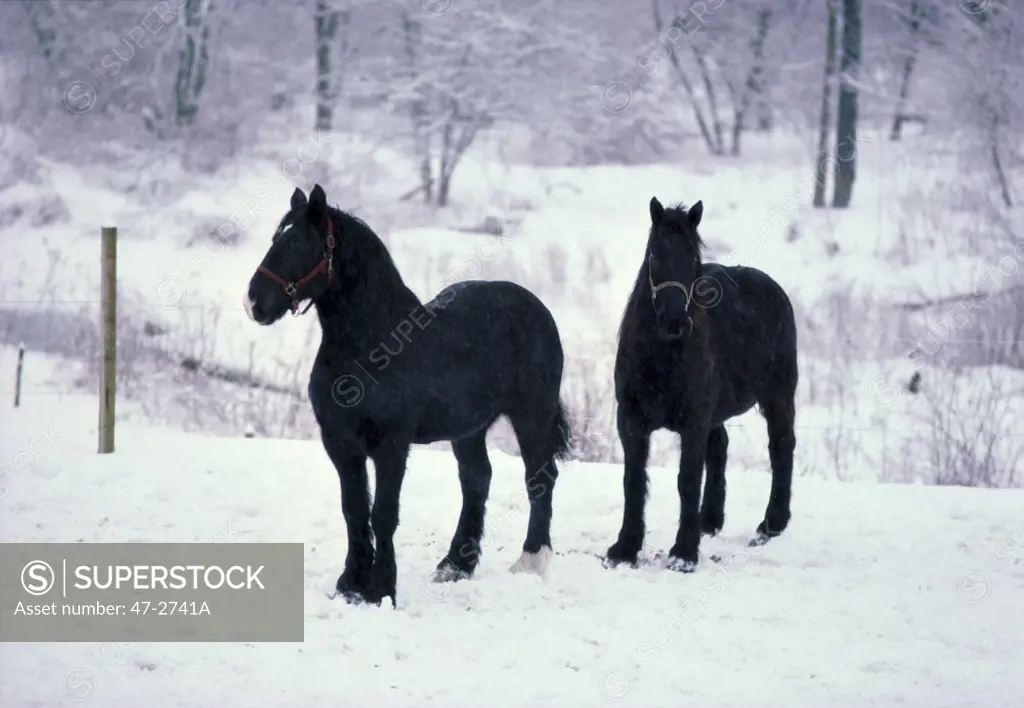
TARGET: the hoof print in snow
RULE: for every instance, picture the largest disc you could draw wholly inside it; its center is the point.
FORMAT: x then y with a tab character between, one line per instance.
612	563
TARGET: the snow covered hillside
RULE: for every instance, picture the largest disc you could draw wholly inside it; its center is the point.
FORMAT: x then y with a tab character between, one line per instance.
876	595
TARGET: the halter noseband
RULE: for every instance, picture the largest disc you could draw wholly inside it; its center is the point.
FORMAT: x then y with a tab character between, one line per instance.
292	289
688	292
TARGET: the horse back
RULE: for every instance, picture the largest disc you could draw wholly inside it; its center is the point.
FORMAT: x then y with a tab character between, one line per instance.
485	337
753	309
754	332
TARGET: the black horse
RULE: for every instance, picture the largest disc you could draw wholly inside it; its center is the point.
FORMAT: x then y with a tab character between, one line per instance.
700	343
392	372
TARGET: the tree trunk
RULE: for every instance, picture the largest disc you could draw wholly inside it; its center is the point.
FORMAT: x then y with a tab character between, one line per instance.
993	104
900	117
326	74
193	60
820	174
709	89
997	163
765	122
453	146
753	89
445	171
846	123
913	25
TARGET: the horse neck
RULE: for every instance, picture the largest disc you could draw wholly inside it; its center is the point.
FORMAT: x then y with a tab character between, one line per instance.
364	307
639	312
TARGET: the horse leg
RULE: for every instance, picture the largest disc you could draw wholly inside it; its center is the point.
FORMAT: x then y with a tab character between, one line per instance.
636	444
683	556
389	463
475	478
355	506
712	508
780	415
536	445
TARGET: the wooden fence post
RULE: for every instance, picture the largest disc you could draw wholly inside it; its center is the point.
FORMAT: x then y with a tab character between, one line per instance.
17	380
108	328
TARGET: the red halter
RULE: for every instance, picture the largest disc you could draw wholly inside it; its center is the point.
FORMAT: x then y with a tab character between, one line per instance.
292	289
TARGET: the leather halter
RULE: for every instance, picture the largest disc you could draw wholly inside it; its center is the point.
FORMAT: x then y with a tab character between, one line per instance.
292	288
688	292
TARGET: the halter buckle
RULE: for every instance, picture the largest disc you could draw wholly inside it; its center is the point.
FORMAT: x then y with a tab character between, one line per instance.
291	289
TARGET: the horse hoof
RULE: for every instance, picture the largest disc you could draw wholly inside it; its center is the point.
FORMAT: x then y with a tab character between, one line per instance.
616	556
535	563
680	565
376	596
758	540
447	573
351	597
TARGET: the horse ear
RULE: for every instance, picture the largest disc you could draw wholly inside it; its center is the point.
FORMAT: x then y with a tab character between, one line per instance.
696	211
657	211
317	204
298	198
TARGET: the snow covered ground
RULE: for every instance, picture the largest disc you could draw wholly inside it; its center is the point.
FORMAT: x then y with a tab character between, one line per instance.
876	595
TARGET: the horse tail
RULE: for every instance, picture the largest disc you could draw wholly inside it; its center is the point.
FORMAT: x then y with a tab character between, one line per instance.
562	433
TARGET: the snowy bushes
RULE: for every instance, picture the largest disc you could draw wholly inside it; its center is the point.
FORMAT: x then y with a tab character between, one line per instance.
972	424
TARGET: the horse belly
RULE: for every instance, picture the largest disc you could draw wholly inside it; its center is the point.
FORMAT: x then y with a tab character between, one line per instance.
734	398
453	418
731	408
466	397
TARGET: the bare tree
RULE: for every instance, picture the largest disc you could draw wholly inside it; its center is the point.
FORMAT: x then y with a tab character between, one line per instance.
911	16
723	56
753	88
457	75
43	15
193	60
825	121
330	50
708	121
847	112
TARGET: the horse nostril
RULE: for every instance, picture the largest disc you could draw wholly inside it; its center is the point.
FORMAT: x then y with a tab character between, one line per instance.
673	331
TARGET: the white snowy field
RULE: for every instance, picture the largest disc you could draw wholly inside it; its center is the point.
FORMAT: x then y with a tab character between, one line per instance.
876	595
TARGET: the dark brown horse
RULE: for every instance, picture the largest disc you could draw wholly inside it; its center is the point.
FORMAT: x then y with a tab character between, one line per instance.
700	343
392	372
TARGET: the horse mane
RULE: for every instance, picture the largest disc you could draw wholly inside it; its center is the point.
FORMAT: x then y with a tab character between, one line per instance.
358	238
364	259
673	213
